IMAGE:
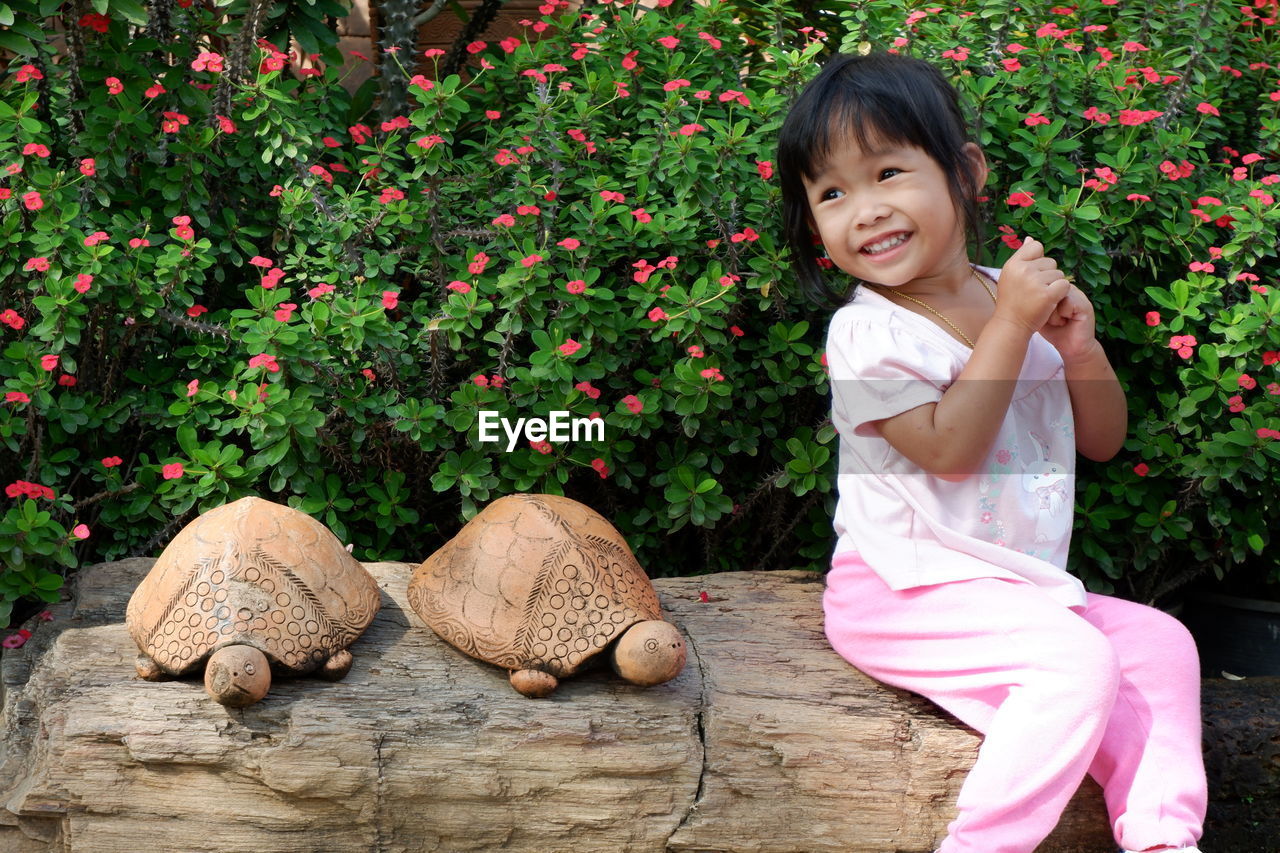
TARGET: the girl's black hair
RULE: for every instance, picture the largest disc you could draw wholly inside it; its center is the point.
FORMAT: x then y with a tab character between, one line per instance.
878	99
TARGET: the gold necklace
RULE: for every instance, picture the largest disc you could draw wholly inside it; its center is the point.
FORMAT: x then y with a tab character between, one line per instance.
938	314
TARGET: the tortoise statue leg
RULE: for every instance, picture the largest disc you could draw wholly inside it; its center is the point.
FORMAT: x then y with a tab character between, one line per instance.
150	670
649	653
237	676
533	683
337	666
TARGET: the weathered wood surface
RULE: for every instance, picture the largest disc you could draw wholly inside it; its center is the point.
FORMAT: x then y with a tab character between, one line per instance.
768	741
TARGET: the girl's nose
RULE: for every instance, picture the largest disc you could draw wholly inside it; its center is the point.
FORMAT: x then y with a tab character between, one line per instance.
869	212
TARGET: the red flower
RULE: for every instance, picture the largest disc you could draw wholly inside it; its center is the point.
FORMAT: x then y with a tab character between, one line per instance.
1092	114
1136	117
459	286
267	361
570	346
1153	318
207	62
1183	344
111	461
588	389
94	21
633	404
569	243
172	471
80	531
1021	199
601	468
657	315
17	397
1141	469
576	286
390	299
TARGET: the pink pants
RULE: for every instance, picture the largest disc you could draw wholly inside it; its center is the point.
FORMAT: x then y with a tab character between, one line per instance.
1113	691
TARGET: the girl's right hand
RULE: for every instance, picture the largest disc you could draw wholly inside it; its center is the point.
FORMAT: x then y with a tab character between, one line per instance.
1031	286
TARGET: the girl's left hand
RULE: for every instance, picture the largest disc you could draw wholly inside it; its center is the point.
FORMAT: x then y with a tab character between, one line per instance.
1070	327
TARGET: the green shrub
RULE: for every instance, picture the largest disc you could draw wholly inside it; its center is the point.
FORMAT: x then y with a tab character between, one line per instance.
327	301
289	298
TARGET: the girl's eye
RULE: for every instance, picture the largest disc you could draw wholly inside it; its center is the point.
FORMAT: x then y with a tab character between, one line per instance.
828	195
884	172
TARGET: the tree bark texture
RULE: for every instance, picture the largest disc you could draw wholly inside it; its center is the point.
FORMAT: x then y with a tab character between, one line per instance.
767	741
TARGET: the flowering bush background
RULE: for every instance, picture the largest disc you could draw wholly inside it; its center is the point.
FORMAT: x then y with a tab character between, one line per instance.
223	278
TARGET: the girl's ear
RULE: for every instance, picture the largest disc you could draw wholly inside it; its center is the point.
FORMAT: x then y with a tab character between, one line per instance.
977	163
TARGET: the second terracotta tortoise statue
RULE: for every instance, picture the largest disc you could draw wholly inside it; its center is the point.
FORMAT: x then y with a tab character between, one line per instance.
538	584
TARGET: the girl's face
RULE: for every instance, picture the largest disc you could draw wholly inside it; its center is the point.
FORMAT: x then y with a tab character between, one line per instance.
887	216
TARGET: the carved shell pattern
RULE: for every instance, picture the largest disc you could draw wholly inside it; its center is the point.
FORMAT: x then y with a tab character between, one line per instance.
587	590
238	591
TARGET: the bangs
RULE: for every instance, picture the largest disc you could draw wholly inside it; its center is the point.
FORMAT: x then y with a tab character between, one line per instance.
868	122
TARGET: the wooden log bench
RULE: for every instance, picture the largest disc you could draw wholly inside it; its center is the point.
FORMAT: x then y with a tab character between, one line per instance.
768	741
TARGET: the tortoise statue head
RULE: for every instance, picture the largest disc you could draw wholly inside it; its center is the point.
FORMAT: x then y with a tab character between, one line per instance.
237	676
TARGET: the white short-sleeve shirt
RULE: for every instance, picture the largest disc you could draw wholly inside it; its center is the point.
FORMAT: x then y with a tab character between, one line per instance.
1012	519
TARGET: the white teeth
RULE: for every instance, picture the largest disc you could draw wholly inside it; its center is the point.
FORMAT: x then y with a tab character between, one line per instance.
885	245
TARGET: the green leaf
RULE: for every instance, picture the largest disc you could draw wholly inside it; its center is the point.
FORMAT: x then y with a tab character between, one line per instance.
10	40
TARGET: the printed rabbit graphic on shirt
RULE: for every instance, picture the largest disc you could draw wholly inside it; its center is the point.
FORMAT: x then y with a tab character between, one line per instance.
1046	484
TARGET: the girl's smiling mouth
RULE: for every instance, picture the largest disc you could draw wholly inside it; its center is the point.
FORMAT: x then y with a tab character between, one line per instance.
884	247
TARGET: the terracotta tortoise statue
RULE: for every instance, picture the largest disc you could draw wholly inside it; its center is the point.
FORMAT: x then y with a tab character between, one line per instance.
538	584
252	587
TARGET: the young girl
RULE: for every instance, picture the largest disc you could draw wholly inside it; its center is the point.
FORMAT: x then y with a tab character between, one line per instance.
961	394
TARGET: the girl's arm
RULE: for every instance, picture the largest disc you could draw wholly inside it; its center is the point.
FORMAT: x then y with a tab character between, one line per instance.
952	437
1097	400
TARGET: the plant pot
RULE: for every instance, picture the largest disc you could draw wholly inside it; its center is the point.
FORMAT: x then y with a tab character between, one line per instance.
1239	636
